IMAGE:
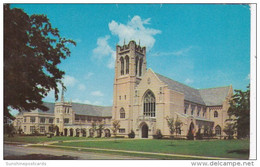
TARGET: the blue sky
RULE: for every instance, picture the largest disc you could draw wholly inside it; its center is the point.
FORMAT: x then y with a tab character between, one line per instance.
200	45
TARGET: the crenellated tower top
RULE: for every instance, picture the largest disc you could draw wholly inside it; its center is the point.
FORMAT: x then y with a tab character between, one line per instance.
130	60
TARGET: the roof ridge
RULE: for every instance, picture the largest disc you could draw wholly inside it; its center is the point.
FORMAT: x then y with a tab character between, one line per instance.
89	104
215	87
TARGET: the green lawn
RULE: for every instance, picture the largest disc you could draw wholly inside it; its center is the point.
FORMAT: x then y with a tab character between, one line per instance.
39	139
217	148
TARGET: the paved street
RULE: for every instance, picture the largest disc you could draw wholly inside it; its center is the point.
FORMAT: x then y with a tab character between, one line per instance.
16	150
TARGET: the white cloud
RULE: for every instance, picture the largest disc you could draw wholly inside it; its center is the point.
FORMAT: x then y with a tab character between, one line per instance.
97	93
103	50
69	81
188	81
134	30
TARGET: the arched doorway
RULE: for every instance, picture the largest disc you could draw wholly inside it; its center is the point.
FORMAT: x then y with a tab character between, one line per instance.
77	132
91	132
191	132
107	133
71	132
144	131
84	132
65	132
218	130
57	131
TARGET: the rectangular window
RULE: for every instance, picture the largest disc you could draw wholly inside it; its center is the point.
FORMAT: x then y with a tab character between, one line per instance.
32	129
121	130
32	119
24	119
51	120
76	118
24	129
58	120
66	120
42	129
42	120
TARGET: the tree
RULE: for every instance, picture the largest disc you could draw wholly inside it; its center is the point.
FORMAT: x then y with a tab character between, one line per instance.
230	129
93	128
32	51
170	123
115	127
131	134
178	125
100	129
240	110
52	128
9	130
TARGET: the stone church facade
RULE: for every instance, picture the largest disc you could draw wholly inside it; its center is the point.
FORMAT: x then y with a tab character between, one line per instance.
143	99
142	102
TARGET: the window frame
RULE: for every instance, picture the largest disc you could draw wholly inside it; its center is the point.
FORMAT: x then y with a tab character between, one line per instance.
122	113
215	114
149	104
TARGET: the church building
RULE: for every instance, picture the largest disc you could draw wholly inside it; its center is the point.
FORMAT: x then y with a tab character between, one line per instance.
142	102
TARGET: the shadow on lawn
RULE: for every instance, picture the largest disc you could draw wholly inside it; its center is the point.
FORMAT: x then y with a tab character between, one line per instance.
39	157
239	151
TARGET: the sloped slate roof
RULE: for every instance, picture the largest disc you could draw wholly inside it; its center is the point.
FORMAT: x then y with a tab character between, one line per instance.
208	97
49	105
214	96
82	109
190	94
86	109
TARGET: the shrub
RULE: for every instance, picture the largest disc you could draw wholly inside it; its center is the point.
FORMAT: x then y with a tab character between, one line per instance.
158	134
198	135
131	134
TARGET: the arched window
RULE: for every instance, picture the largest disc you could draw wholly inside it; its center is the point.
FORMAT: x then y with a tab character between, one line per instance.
149	104
215	114
218	130
122	113
122	65
136	65
140	67
127	64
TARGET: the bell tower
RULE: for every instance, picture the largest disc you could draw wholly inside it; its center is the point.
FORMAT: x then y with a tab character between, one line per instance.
130	66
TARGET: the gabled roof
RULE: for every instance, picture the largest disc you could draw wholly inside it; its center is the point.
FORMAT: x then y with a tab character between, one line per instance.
214	96
190	94
81	109
87	109
208	97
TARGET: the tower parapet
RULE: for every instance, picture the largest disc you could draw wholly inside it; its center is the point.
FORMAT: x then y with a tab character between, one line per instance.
132	44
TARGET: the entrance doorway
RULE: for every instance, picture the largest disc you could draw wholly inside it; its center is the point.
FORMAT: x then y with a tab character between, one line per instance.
145	131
